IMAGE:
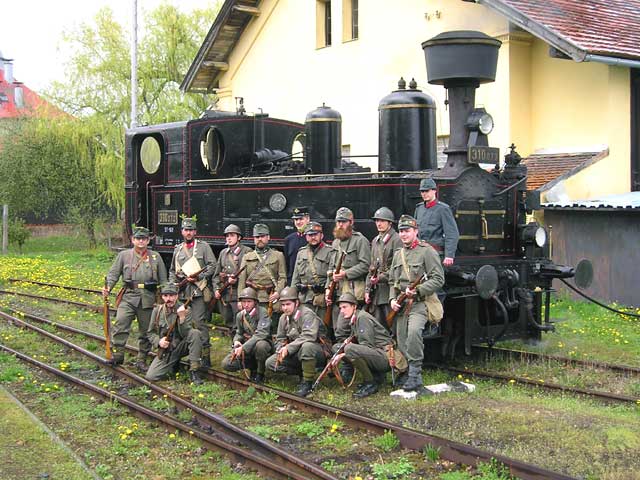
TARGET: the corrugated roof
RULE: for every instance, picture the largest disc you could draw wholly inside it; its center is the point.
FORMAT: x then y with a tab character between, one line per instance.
621	201
545	170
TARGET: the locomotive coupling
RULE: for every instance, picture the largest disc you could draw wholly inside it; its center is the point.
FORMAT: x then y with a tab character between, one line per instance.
556	271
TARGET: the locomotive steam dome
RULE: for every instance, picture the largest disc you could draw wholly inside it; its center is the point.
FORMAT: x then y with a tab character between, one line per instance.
461	57
323	132
407	130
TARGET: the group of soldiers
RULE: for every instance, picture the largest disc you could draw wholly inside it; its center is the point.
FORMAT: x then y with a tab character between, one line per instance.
325	303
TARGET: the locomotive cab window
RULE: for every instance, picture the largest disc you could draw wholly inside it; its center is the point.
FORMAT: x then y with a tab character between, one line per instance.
150	155
297	146
212	150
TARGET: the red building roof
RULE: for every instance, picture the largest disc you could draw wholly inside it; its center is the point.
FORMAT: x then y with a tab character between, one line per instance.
32	102
545	170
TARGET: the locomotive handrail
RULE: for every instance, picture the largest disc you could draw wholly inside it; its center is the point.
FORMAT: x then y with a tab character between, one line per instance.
311	175
523	179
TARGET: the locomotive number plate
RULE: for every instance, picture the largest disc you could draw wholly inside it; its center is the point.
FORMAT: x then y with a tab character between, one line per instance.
167	217
484	155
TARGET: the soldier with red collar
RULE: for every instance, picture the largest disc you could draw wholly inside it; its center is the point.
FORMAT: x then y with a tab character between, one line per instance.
376	293
414	260
436	223
295	240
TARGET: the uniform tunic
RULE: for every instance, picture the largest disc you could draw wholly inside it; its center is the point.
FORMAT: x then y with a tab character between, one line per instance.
186	340
310	275
292	244
382	248
372	339
419	258
137	301
265	270
229	263
437	227
253	331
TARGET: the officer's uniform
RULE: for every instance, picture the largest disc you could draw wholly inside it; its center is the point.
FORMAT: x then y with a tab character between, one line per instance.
293	243
185	340
436	224
409	264
194	291
253	331
229	263
310	272
266	272
382	248
141	275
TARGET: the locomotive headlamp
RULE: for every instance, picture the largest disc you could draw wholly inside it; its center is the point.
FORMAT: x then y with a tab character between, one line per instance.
479	120
534	234
541	237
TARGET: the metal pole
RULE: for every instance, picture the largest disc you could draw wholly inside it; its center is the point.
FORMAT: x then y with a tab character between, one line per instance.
134	66
5	228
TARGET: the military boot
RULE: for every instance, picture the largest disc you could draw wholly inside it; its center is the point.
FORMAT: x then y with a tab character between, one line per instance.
366	389
308	375
258	378
414	380
346	371
141	364
117	358
206	358
194	375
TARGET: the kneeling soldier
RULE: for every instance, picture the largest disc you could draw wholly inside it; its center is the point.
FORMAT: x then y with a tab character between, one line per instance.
252	341
367	351
172	331
298	342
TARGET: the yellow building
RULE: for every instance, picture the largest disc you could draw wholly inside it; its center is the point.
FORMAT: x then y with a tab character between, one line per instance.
565	83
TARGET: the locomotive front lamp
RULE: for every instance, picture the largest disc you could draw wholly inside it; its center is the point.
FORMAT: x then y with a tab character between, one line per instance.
480	121
534	234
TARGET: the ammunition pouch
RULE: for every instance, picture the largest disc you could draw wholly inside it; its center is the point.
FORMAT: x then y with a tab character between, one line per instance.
302	288
318	288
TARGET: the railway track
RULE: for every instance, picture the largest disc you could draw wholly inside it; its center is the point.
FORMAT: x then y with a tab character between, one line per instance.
56	285
409	439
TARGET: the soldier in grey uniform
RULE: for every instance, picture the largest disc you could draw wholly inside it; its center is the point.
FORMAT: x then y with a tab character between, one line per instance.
252	341
266	272
436	223
355	266
367	352
142	270
376	293
310	272
298	341
228	265
194	286
411	262
184	339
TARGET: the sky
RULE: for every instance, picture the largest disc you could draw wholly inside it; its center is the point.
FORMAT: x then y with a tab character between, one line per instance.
31	31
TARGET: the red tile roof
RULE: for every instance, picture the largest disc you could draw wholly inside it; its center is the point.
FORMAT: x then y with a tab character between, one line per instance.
545	170
602	27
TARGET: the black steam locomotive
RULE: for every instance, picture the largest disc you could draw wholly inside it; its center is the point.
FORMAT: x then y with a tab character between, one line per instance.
246	169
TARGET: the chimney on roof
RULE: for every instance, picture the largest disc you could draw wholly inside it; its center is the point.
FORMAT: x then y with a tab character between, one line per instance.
8	69
18	95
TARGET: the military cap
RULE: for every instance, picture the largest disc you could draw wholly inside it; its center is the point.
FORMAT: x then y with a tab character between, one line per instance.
248	293
407	221
427	184
348	298
232	228
300	212
344	214
289	293
260	229
383	213
312	227
189	223
169	289
140	232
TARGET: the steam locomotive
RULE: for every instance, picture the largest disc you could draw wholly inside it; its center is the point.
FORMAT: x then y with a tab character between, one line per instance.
231	167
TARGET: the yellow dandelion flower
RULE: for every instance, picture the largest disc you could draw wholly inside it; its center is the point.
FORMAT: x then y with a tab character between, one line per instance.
172	435
201	395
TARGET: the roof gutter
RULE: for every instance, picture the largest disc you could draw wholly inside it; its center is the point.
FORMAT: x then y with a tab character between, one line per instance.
616	62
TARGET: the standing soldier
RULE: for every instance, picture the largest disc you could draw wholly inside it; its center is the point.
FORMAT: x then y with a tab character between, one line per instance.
252	341
414	261
265	270
295	240
173	340
437	226
376	293
228	267
141	270
367	351
192	265
298	341
310	272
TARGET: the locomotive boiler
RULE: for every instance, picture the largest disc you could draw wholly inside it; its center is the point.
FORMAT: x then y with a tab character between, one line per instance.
231	167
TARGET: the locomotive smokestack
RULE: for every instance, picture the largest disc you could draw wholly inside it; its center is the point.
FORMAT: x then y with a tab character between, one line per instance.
461	61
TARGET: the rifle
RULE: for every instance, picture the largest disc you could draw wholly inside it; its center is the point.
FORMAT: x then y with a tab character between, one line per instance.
270	304
184	281
223	288
107	324
169	335
280	358
403	296
332	364
332	290
370	308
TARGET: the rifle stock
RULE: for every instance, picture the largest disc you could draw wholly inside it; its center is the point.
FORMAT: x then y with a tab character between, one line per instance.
169	335
403	296
330	363
332	291
107	324
223	288
370	307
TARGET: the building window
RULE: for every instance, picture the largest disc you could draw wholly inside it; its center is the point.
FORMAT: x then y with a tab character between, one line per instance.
349	20
323	23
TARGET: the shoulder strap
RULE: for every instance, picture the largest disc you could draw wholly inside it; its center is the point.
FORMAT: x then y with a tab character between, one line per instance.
404	264
312	265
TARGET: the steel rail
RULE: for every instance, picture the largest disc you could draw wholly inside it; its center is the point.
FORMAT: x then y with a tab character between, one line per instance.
257	462
523	354
410	439
608	396
210	420
56	285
